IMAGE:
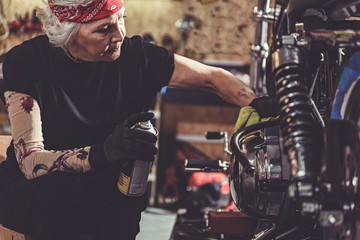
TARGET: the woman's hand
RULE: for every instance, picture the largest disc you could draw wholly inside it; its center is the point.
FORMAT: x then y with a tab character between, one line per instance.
127	143
259	110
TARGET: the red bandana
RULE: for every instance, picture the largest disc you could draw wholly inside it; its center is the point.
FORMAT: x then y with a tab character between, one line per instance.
95	10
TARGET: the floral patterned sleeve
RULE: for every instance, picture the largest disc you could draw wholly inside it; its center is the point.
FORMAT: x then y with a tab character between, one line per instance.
26	130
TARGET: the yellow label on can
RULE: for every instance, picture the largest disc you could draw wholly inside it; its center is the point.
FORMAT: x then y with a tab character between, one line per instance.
123	183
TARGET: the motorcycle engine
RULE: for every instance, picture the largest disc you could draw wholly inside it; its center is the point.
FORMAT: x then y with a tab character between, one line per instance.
262	193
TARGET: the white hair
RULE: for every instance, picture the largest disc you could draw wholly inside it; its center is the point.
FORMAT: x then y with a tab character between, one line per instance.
59	32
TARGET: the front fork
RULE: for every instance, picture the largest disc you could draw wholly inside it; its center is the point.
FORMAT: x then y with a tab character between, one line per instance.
264	16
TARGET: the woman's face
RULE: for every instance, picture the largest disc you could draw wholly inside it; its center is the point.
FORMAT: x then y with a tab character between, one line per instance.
100	40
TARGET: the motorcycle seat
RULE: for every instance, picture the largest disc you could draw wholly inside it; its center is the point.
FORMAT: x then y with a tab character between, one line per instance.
296	8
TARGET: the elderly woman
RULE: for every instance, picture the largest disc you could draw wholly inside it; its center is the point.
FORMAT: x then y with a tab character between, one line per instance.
72	96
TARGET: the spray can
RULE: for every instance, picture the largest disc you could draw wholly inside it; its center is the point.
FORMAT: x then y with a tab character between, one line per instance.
133	177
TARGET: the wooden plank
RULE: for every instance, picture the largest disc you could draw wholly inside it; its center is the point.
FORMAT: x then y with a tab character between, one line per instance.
232	223
7	234
4	143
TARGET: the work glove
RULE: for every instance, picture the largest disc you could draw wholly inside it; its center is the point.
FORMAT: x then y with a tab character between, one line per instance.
259	110
127	143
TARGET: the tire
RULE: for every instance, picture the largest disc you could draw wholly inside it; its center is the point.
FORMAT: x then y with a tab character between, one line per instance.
346	106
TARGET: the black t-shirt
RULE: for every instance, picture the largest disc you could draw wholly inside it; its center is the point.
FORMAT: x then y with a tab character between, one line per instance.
81	103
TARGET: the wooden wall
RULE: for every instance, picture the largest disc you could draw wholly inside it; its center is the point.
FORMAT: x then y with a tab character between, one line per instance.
180	119
153	17
225	29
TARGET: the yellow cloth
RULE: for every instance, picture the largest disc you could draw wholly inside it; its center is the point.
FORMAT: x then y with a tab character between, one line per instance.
249	116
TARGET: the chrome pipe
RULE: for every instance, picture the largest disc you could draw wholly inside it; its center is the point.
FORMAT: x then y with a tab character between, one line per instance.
260	48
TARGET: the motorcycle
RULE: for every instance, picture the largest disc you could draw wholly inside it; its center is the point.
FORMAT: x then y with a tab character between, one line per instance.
304	173
300	175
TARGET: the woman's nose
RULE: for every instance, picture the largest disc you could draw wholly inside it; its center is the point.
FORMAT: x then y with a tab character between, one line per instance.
119	33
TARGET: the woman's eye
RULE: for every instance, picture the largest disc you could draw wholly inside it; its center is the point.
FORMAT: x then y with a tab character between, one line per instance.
103	30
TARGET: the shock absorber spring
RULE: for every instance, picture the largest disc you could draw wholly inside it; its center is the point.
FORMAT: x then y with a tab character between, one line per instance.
297	123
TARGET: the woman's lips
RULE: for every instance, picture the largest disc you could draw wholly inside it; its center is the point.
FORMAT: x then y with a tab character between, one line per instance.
114	49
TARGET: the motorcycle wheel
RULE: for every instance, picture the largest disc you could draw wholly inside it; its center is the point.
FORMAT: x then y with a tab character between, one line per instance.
346	106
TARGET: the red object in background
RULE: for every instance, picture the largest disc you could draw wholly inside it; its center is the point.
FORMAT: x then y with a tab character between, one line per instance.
28	26
32	27
15	26
199	179
37	27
